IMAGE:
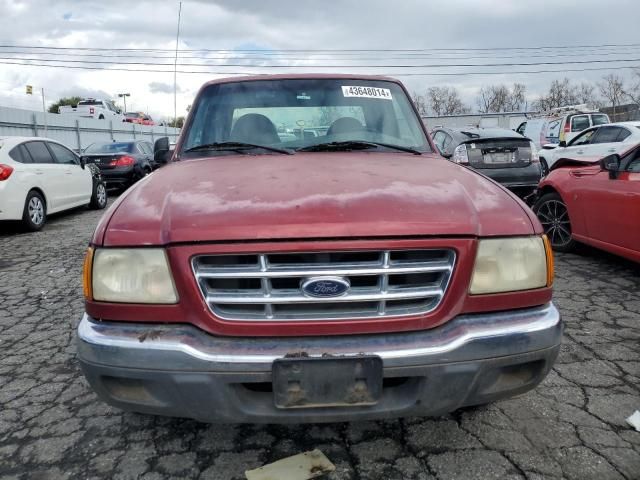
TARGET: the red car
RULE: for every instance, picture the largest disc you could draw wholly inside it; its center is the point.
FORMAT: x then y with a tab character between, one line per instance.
593	201
350	275
138	117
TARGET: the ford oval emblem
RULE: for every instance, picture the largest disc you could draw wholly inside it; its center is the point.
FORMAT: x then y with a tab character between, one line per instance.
325	287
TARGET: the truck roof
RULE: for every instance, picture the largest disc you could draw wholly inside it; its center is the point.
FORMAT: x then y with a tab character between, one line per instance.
295	76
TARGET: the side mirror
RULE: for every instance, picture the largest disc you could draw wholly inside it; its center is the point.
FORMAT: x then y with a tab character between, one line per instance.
83	163
611	163
161	150
562	144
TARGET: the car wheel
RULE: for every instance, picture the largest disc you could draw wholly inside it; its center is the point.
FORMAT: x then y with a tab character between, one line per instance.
554	216
101	117
34	215
99	196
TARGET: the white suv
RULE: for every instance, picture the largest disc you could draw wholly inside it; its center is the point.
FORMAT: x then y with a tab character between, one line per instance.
596	142
566	128
39	176
559	126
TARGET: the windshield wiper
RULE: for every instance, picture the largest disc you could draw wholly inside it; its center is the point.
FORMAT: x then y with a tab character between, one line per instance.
239	147
354	145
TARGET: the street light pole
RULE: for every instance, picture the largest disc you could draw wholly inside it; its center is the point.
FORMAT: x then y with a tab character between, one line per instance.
124	97
175	72
44	113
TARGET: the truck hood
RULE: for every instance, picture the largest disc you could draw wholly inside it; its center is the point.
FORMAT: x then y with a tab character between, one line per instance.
311	195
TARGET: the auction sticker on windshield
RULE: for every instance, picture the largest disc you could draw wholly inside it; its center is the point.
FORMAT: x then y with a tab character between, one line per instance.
366	92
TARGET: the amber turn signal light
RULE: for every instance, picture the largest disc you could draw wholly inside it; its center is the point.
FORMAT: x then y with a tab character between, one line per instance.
86	274
549	253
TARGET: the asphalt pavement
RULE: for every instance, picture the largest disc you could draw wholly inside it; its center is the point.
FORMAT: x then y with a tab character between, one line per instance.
53	427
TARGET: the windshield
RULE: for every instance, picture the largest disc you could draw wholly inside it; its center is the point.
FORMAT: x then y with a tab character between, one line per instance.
298	113
114	147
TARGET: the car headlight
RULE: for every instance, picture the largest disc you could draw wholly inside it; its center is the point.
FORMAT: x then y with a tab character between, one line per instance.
512	264
130	275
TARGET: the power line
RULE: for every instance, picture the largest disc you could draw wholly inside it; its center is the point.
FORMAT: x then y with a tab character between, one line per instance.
429	65
311	51
247	57
560	47
399	74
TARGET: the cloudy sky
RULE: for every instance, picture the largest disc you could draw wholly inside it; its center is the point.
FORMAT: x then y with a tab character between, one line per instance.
255	33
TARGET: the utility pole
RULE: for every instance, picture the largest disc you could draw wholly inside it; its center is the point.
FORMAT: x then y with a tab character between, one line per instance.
175	71
124	97
44	112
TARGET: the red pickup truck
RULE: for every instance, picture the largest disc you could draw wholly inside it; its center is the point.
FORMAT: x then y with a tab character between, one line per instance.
269	274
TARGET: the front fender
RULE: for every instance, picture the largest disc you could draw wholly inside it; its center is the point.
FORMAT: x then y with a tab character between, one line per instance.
95	173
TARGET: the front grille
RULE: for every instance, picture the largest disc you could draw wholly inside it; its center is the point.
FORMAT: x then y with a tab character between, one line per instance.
268	286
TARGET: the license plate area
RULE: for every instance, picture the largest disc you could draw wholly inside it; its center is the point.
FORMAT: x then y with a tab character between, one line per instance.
499	157
327	382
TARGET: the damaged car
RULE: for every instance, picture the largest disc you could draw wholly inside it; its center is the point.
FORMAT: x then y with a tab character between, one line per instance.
593	200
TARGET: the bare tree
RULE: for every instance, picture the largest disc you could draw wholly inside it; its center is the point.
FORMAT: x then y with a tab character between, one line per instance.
633	91
500	98
560	93
445	101
420	103
491	98
454	104
586	93
516	100
437	97
484	100
612	89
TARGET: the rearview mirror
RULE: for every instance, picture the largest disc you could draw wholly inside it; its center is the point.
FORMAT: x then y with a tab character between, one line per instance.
161	150
562	144
611	163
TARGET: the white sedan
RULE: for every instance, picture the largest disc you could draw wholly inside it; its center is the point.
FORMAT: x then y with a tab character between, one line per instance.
595	142
40	176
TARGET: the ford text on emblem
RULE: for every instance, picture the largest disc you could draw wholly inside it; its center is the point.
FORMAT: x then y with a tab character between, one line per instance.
325	286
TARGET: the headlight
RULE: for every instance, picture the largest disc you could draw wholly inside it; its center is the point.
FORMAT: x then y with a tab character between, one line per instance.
511	264
136	275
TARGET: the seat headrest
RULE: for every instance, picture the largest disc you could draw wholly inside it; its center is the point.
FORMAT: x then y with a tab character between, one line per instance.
345	125
254	128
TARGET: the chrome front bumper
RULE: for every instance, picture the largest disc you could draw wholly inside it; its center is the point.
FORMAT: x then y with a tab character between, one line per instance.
179	370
